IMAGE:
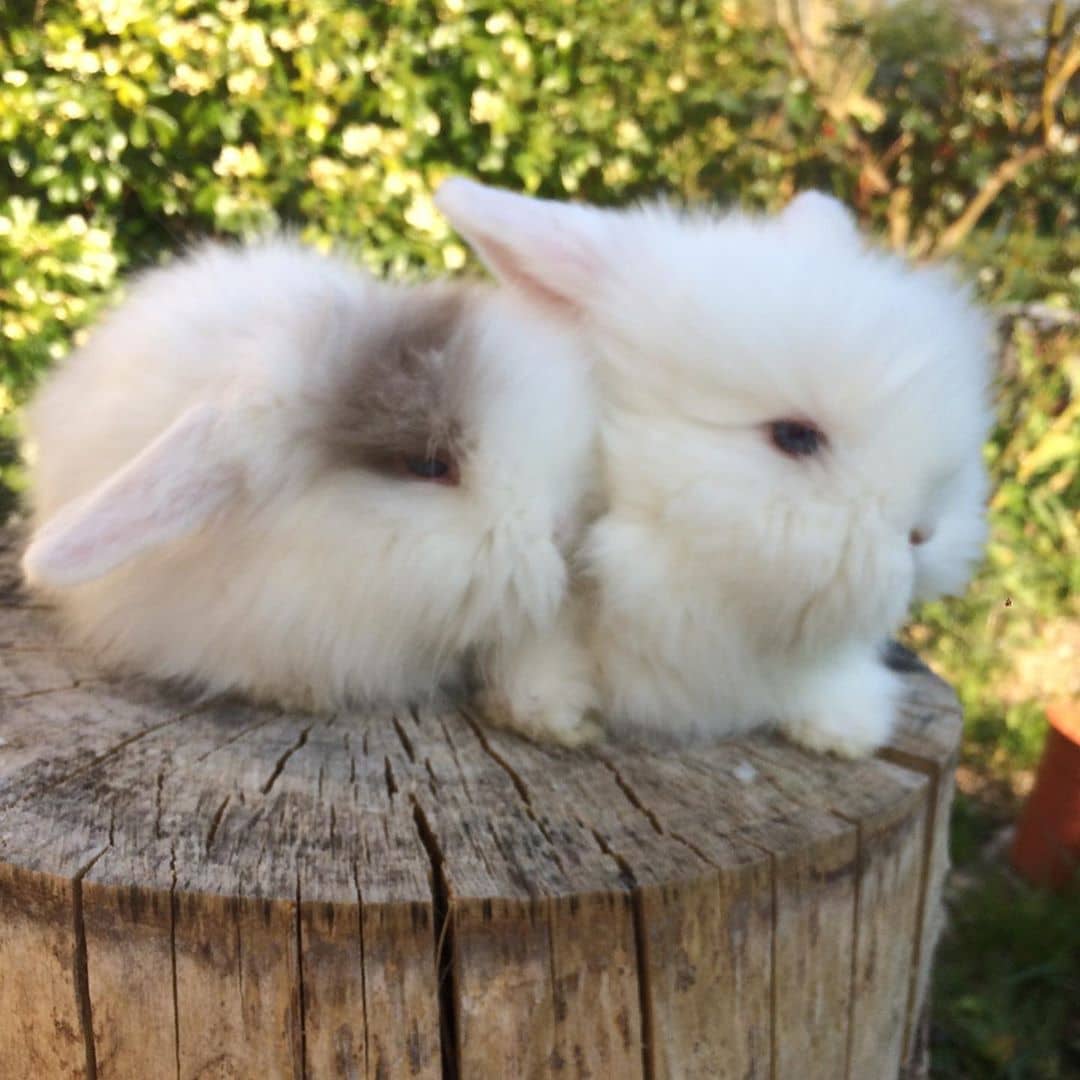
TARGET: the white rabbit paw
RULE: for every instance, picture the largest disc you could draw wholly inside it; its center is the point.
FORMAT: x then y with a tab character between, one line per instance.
564	719
848	711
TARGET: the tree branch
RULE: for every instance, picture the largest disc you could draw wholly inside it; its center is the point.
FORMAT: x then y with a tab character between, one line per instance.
1059	66
999	179
1055	85
787	18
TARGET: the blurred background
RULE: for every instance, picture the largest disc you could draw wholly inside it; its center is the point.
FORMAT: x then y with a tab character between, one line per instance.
130	128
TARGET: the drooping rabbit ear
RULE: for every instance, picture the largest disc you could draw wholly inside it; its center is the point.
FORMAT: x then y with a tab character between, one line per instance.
551	251
165	492
815	214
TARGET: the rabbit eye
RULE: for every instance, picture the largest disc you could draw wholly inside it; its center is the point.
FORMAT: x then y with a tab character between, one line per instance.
796	438
434	468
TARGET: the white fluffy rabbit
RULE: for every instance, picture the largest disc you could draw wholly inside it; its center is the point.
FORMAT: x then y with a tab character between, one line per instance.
268	472
792	441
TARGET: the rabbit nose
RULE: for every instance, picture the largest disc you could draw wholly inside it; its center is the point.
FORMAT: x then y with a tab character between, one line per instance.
919	536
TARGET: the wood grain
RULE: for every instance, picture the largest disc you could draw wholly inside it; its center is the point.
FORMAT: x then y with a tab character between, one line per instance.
208	890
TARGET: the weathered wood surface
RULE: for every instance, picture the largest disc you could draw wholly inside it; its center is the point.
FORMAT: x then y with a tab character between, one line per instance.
209	890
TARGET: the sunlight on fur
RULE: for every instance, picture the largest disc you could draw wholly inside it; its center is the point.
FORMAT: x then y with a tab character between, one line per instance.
684	472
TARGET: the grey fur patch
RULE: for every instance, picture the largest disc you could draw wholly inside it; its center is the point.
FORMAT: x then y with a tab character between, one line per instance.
403	389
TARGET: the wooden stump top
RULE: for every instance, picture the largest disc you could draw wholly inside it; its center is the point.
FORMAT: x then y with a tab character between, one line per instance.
210	889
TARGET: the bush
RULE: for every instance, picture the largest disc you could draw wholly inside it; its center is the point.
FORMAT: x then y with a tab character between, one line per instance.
131	127
1006	983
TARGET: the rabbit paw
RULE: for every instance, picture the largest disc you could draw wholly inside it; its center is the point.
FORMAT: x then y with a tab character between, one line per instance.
847	709
564	720
544	691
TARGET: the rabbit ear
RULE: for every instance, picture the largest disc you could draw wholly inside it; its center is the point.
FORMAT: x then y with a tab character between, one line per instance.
552	251
815	214
168	490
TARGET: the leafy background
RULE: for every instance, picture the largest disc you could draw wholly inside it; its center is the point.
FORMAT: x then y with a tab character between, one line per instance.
129	128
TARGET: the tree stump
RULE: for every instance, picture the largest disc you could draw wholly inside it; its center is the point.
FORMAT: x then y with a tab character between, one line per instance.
207	889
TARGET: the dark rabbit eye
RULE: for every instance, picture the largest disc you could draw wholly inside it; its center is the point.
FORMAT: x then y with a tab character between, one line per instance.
430	468
796	438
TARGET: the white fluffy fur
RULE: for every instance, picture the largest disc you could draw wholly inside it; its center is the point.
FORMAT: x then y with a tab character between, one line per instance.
737	587
189	530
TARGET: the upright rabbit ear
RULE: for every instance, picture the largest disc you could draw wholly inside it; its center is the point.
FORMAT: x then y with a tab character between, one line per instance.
551	251
165	492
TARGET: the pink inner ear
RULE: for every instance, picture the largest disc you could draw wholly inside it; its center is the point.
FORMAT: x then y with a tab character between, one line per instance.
509	268
148	512
547	250
165	492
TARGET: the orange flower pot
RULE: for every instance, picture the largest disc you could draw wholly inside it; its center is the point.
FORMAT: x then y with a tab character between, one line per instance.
1046	849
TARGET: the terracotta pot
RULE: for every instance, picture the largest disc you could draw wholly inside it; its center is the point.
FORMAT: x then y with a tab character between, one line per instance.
1046	850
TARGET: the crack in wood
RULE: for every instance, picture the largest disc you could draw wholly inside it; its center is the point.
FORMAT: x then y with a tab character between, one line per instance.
80	969
481	735
302	1005
159	807
283	760
641	952
553	978
406	742
650	815
514	871
922	915
631	794
444	945
936	776
26	695
921	767
11	645
462	775
516	779
215	822
233	739
774	1046
626	873
239	947
433	782
849	1054
363	967
782	819
173	904
107	755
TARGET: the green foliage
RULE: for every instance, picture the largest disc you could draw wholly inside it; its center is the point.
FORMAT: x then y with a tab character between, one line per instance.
1007	983
11	475
130	127
53	274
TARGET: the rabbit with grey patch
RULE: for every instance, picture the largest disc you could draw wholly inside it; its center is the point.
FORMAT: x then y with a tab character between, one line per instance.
791	441
268	472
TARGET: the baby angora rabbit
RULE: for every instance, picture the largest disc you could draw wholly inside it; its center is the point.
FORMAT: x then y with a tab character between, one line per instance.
791	436
268	472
